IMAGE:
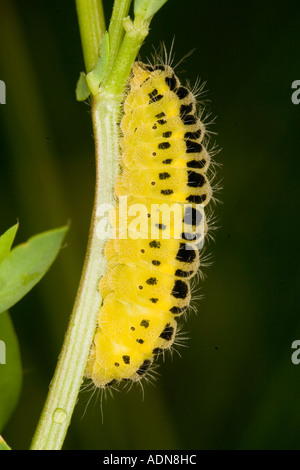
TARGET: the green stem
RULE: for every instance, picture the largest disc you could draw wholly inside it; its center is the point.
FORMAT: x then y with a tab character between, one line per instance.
92	27
116	30
68	376
135	34
58	409
67	380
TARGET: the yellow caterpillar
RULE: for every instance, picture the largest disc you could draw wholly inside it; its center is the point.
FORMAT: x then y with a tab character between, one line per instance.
146	286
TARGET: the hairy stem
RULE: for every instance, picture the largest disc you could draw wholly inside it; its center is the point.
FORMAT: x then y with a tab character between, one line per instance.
67	380
58	409
68	377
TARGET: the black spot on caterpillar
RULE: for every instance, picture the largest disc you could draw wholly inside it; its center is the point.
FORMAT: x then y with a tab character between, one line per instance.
164	145
192	216
153	93
196	163
164	176
195	180
193	135
185	109
155	262
171	82
161	226
155	99
189	119
185	255
180	290
193	147
167	134
167	332
190	236
157	351
182	92
177	310
181	273
196	199
126	359
151	281
144	367
154	244
159	67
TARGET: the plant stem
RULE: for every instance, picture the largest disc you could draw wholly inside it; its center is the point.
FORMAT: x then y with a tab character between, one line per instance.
67	380
116	30
65	386
58	409
92	27
135	34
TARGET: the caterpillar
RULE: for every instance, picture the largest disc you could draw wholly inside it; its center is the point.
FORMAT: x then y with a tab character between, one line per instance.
146	287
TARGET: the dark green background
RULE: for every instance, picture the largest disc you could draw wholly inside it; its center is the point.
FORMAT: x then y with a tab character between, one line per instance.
235	386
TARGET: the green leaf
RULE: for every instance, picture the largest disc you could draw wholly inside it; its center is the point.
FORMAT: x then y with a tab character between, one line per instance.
82	89
26	264
3	445
6	241
147	8
10	369
91	82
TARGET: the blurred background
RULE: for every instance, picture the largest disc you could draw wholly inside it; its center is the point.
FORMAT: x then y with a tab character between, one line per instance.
235	386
